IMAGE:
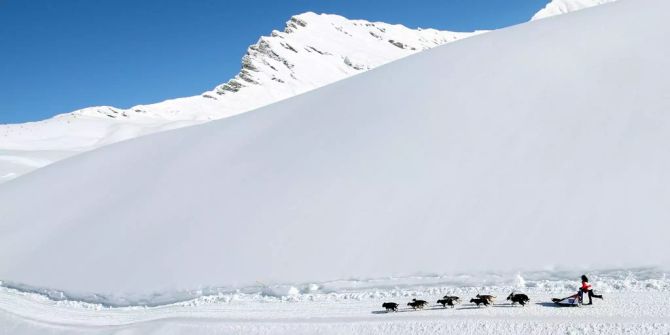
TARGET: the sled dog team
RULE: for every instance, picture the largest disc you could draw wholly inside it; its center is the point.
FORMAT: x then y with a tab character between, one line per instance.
514	298
450	300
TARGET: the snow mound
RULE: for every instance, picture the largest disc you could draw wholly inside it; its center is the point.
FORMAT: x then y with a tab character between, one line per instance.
544	144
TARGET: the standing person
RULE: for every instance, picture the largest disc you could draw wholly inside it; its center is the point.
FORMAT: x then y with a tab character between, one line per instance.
586	288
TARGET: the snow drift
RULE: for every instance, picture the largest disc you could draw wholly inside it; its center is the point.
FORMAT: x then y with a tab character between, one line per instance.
544	144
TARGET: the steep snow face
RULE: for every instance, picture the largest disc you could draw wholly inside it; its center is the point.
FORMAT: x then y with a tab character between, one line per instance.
312	51
540	145
557	7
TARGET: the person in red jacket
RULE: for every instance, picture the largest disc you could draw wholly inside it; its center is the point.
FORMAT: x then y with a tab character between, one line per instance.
586	288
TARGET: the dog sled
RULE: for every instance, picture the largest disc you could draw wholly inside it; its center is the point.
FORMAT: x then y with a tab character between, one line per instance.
571	301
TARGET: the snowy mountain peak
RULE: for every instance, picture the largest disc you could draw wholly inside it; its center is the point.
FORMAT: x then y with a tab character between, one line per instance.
317	49
312	50
557	7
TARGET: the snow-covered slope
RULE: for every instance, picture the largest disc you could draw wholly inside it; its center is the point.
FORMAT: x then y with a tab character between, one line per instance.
538	145
557	7
312	51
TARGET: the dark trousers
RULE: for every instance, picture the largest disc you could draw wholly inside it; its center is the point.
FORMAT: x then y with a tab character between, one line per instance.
590	295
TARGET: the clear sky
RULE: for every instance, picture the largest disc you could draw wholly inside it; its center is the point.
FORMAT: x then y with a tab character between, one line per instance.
57	56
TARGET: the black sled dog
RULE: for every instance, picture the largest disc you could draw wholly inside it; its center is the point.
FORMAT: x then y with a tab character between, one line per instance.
390	306
417	304
519	298
449	300
480	301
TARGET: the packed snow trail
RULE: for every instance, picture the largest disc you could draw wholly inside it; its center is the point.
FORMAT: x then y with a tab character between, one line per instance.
632	313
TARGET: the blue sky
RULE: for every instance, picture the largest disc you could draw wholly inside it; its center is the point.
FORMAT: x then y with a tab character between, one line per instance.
58	56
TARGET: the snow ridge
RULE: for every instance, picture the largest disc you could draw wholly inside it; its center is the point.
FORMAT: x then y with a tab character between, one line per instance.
312	51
